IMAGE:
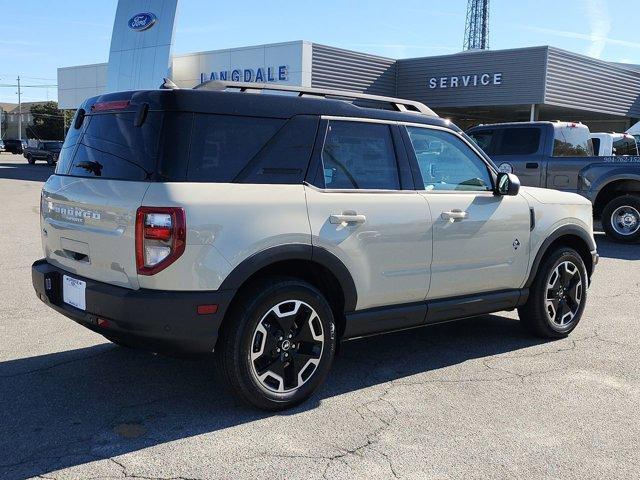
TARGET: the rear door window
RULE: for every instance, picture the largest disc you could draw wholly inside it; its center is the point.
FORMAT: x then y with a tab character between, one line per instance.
508	141
595	142
519	141
358	155
223	145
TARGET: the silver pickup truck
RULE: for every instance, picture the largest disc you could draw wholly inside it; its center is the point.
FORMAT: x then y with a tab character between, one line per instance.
560	155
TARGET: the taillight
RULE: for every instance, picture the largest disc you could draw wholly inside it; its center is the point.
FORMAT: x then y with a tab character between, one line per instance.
161	234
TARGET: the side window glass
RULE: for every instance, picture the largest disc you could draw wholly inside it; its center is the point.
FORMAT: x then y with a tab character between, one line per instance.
447	163
359	156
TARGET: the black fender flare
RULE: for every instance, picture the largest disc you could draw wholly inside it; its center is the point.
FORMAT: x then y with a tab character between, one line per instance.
560	232
280	253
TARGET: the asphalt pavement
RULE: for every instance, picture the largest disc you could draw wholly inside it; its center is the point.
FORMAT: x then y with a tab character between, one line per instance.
477	398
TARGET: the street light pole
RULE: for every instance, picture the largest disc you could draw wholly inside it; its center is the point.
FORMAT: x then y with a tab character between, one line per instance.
19	112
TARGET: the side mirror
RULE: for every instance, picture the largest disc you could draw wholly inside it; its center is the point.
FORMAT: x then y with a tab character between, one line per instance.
507	184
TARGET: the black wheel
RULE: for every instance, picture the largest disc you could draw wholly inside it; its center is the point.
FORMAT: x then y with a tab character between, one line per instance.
278	344
558	295
621	219
51	160
30	159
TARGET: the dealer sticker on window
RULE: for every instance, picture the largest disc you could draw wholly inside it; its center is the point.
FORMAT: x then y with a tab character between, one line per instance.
73	292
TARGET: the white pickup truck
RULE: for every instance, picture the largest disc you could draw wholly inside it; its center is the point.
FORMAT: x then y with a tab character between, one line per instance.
614	144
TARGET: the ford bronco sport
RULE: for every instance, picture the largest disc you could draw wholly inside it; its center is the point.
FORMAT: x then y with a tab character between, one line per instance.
265	228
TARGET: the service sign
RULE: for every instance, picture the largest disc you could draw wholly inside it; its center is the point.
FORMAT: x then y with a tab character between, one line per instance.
142	21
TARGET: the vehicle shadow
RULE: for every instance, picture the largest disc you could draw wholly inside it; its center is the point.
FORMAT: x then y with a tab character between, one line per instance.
622	251
38	172
74	407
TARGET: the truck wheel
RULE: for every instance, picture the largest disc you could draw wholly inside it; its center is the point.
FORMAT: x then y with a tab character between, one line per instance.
558	295
278	345
50	160
30	159
621	219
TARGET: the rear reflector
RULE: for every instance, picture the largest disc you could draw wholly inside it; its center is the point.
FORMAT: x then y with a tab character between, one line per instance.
104	323
113	105
207	309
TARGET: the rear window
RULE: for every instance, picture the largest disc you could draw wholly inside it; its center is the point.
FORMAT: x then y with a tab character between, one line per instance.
572	142
508	141
111	147
625	146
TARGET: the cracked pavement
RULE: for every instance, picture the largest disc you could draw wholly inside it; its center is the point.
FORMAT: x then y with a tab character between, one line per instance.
472	399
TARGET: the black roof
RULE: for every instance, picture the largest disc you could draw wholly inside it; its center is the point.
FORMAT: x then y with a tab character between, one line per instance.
259	105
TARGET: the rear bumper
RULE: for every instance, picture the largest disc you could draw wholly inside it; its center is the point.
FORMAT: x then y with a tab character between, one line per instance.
156	320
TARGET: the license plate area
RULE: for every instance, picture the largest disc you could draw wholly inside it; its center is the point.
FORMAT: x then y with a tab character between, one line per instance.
74	292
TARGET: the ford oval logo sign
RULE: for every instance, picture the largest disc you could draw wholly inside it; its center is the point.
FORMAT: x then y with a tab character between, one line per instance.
142	21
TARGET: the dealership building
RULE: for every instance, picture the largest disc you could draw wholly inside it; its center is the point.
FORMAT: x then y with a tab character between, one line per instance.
472	87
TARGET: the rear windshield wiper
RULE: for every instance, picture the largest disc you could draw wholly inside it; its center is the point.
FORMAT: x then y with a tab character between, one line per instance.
93	167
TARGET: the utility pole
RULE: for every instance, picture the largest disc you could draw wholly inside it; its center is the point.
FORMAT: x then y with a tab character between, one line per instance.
19	112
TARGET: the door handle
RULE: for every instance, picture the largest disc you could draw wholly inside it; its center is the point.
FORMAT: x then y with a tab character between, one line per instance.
532	165
453	215
338	219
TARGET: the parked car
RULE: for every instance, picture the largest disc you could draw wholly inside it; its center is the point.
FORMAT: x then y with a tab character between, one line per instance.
610	144
13	145
48	151
267	228
560	155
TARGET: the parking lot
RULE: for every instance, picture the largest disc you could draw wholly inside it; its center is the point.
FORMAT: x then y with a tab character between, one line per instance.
473	399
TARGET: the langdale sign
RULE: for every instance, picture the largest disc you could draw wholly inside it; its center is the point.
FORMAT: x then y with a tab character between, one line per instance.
471	80
258	75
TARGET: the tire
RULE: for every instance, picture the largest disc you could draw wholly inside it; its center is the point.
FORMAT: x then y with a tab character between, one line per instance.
119	342
562	268
273	352
621	219
50	160
30	159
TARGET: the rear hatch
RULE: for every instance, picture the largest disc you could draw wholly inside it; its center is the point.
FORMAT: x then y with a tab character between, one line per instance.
88	208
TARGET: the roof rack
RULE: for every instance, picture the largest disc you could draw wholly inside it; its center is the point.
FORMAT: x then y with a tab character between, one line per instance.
397	104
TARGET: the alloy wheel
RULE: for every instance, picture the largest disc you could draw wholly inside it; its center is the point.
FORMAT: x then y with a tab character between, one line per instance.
625	220
564	294
286	346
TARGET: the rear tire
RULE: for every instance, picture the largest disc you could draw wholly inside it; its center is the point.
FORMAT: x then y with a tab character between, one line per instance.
278	343
50	161
30	159
558	295
621	219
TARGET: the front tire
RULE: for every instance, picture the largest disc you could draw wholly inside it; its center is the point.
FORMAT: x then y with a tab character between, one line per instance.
30	159
558	295
278	343
621	219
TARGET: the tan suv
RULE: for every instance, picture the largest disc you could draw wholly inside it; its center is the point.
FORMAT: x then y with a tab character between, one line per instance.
267	228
